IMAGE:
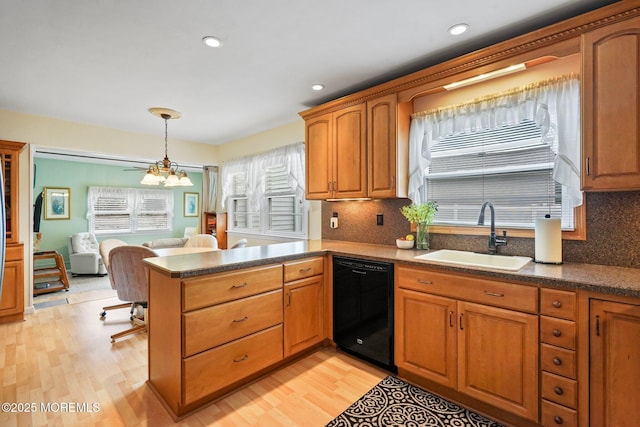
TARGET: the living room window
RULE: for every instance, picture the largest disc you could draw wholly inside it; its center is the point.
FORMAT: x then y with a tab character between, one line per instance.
118	210
265	193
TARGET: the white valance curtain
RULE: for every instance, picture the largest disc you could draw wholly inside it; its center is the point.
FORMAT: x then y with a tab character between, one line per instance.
554	105
252	169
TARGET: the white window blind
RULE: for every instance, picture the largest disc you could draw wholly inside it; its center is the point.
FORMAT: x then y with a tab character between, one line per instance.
116	210
152	210
509	166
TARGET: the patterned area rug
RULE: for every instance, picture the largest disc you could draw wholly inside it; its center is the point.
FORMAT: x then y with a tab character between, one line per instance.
395	403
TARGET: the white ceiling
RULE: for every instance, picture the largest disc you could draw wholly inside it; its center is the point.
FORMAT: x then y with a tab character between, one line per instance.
105	62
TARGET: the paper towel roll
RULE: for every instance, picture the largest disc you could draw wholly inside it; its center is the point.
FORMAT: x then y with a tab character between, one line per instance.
548	239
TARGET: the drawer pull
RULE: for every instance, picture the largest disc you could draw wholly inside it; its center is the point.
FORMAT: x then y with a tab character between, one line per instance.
242	285
242	359
451	319
305	270
557	333
556	304
558	419
557	361
425	282
460	322
558	391
493	294
240	320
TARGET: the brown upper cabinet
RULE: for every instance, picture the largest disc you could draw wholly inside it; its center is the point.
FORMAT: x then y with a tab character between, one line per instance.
387	147
359	151
611	107
336	154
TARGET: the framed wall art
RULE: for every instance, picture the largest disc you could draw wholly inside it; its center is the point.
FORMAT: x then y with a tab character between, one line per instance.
191	203
57	203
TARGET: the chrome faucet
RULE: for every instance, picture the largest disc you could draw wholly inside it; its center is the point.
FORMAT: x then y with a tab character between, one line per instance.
494	242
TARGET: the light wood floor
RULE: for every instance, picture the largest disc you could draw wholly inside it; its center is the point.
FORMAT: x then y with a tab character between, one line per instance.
62	356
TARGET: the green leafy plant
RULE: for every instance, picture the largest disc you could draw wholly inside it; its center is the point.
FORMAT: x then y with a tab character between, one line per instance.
422	213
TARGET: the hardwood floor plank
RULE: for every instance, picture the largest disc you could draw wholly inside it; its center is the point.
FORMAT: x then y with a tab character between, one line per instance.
62	355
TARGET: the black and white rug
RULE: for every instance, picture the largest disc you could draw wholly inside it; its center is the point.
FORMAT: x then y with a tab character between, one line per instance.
395	403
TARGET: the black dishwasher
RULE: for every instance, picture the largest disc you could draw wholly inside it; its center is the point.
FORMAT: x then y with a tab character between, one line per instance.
363	309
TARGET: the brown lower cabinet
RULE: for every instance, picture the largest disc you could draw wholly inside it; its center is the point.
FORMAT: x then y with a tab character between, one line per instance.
212	333
614	364
485	352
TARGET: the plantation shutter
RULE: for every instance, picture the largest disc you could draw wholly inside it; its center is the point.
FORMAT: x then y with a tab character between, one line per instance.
281	198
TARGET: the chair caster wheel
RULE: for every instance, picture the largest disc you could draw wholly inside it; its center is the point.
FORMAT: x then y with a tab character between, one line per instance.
103	315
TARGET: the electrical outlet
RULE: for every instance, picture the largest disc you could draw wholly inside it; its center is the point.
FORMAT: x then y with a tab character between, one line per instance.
379	219
334	220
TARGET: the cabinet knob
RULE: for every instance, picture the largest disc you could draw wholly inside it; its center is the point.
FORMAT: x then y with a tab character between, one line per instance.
558	419
558	391
557	333
556	304
557	361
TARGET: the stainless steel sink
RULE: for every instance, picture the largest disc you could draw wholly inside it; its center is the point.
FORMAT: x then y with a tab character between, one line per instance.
474	259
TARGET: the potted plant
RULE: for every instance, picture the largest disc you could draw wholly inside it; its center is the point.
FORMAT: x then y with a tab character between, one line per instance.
422	215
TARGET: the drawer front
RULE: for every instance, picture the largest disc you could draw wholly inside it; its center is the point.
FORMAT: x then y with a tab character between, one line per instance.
556	415
208	372
212	326
557	303
223	287
558	360
558	332
500	294
296	270
560	390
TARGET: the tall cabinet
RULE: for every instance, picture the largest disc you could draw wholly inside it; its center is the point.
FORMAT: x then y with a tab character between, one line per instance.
12	299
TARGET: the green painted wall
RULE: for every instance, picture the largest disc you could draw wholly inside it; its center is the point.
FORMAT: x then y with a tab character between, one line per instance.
78	177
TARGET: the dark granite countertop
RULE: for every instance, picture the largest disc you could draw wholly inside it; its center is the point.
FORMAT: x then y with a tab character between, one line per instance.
596	278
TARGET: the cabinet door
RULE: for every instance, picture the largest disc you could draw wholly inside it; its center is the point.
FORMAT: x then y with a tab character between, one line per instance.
12	298
425	335
302	314
350	152
615	364
381	146
611	107
498	357
318	155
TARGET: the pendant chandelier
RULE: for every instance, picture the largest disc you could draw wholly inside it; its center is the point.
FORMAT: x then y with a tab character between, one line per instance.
165	171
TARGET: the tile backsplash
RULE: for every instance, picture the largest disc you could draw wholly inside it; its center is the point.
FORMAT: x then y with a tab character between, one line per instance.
613	229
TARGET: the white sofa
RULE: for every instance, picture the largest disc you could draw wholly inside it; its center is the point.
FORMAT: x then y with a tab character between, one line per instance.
169	242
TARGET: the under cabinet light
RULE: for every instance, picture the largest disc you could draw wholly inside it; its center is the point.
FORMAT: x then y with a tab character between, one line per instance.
486	76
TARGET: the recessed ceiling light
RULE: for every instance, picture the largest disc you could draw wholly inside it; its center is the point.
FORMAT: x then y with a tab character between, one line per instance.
212	41
317	87
458	29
